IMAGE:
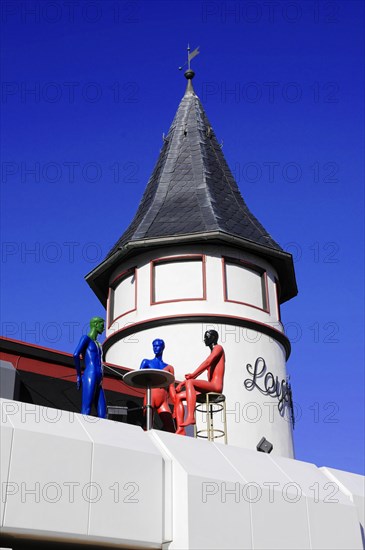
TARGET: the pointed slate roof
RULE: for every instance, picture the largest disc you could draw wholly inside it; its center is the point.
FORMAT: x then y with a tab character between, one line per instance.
193	196
191	189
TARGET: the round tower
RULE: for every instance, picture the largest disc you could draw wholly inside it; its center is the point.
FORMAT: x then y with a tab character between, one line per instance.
195	258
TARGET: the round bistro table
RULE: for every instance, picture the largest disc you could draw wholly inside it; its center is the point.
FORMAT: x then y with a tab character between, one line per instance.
148	379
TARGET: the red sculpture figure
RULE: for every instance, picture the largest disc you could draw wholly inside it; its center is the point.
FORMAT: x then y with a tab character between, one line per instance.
215	365
159	396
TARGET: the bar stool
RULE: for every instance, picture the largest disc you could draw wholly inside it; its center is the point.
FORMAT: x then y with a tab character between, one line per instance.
209	404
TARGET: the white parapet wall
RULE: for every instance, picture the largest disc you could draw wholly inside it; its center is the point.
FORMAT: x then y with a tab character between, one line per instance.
75	478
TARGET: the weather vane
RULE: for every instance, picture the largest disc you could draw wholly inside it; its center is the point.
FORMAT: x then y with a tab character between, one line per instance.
190	57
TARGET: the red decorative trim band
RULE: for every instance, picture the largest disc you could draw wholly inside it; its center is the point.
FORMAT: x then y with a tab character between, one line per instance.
199	318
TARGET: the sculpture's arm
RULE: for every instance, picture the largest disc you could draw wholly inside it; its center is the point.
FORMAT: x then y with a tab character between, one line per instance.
212	358
82	345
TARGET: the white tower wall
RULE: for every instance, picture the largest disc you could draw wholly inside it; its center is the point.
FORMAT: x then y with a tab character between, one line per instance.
178	295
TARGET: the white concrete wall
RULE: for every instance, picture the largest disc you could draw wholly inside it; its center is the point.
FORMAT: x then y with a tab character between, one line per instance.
251	414
82	479
72	478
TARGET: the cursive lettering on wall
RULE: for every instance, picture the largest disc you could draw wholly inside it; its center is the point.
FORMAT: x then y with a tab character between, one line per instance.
268	384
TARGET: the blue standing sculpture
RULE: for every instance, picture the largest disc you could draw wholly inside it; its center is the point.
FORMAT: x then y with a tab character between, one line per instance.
92	378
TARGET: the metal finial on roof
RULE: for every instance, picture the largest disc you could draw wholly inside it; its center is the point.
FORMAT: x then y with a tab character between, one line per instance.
189	74
190	57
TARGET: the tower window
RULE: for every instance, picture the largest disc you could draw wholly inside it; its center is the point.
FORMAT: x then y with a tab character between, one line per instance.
277	293
245	283
122	295
177	279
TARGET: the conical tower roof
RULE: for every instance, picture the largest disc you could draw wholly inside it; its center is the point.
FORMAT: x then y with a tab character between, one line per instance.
193	196
191	189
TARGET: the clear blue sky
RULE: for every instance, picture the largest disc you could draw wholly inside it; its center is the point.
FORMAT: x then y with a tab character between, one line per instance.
88	90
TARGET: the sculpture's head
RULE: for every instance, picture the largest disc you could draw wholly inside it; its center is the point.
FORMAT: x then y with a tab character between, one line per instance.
98	324
158	346
210	337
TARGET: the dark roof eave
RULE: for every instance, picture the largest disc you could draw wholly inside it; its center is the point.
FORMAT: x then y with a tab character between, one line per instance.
97	277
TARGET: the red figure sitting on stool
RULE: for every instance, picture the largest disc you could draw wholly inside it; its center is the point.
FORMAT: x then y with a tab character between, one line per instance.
215	365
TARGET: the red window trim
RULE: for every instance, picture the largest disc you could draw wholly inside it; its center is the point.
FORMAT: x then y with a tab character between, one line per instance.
253	267
171	259
277	296
113	285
